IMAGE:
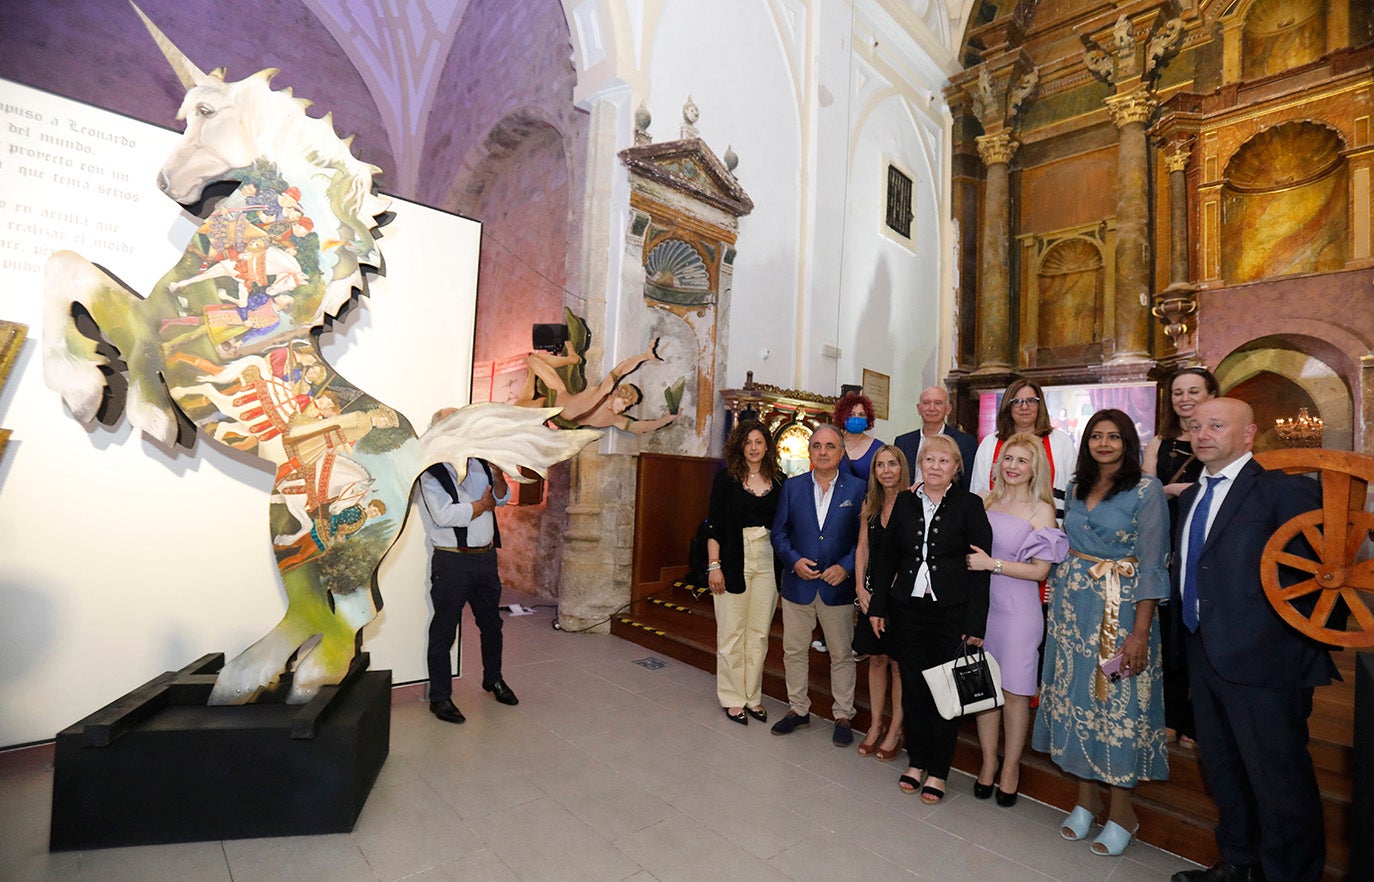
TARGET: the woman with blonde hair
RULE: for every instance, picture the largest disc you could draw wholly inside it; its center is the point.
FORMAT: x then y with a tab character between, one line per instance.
931	601
1025	542
887	477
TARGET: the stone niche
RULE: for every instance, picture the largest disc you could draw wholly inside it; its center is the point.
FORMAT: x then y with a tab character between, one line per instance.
685	206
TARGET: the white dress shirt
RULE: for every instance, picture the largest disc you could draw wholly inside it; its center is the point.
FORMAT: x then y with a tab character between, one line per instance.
445	514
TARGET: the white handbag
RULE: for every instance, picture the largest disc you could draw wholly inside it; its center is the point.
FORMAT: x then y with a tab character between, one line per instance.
967	684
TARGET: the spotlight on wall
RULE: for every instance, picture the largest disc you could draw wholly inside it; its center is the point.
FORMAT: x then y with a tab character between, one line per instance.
549	338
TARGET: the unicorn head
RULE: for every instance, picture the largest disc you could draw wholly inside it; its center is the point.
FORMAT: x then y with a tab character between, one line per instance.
230	125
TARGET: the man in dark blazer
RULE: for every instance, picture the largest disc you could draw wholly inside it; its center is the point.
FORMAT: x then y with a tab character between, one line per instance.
815	534
1251	674
934	408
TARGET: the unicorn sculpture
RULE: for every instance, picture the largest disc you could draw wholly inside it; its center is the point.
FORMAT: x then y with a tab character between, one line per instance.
227	340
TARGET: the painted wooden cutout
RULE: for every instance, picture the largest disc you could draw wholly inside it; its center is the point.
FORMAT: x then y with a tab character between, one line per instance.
228	341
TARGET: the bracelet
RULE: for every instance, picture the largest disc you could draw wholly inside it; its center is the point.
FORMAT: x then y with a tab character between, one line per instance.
713	566
997	569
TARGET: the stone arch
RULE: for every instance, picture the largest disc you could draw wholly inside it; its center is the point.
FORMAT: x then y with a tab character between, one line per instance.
1277	375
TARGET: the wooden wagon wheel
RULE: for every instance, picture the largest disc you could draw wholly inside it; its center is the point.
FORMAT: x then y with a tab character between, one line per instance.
1336	532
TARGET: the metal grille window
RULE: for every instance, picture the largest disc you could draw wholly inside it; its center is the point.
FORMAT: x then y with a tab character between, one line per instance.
898	202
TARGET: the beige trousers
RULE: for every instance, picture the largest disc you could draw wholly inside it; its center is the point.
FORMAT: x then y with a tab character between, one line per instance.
742	625
837	622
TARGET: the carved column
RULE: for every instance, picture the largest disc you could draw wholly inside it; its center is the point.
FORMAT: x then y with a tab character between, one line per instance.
1130	111
1177	302
1002	87
1116	59
994	290
1176	158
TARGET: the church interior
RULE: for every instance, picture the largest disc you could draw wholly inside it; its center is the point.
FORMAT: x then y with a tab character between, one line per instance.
778	199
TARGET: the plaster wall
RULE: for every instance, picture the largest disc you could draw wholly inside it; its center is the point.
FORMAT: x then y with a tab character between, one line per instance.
814	116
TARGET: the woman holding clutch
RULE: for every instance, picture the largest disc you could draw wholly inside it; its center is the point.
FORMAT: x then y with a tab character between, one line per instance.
1101	709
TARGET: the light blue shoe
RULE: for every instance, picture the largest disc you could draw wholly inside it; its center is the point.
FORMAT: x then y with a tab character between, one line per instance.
1113	839
1079	822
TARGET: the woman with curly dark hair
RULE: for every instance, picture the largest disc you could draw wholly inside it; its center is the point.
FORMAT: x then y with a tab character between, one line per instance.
1101	709
854	416
740	572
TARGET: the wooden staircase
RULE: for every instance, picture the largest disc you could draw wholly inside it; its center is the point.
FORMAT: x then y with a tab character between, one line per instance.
677	620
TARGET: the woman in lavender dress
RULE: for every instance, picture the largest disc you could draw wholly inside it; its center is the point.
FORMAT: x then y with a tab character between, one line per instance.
1025	541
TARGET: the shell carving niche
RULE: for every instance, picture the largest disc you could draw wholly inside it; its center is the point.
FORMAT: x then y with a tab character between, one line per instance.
676	273
1284	206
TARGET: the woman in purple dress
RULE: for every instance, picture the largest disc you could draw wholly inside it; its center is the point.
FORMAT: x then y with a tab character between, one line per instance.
1025	542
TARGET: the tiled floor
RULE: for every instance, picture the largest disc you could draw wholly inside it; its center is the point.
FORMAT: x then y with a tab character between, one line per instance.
607	770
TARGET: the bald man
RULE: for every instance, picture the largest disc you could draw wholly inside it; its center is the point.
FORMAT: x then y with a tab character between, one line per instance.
1251	674
934	408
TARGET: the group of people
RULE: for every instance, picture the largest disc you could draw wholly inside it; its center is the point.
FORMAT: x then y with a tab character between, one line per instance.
1065	565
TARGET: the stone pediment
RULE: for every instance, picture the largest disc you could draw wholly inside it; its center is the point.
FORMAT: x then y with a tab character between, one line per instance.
689	167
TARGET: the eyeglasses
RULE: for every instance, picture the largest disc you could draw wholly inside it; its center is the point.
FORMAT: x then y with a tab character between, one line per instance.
1024	402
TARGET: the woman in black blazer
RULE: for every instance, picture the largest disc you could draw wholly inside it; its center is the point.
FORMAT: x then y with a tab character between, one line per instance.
924	593
741	574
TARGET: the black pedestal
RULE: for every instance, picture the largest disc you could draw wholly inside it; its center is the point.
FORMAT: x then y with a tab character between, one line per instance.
159	765
1362	786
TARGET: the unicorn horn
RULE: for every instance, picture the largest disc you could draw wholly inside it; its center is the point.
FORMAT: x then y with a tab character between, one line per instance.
186	71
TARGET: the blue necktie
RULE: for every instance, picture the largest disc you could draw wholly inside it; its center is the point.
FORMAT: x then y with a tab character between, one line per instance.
1197	537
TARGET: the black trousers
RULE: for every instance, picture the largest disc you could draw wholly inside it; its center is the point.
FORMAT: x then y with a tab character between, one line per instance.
925	635
457	579
1253	746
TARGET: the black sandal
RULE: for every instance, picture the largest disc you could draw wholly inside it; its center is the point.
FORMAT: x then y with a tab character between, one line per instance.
909	784
759	713
738	718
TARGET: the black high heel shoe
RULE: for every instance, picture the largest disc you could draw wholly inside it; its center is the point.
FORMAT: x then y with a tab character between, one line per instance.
984	791
1005	799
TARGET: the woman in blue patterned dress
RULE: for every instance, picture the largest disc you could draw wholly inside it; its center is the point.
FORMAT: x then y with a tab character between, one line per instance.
1099	729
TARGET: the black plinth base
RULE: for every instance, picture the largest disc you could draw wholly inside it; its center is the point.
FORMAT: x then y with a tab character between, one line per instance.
159	765
1362	787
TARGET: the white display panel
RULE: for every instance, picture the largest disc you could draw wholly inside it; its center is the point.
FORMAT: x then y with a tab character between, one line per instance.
120	559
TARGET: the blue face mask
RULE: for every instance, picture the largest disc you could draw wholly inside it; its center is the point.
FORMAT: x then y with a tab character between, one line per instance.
855	425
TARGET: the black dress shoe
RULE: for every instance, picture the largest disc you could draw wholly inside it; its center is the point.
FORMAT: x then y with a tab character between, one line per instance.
447	711
1220	872
501	692
981	790
1005	799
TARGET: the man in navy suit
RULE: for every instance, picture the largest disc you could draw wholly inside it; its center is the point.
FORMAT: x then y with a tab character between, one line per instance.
815	534
934	408
1251	674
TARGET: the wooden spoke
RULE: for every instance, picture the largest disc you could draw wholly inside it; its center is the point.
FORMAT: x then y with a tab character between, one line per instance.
1361	526
1358	609
1297	562
1361	575
1302	589
1321	613
1315	539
